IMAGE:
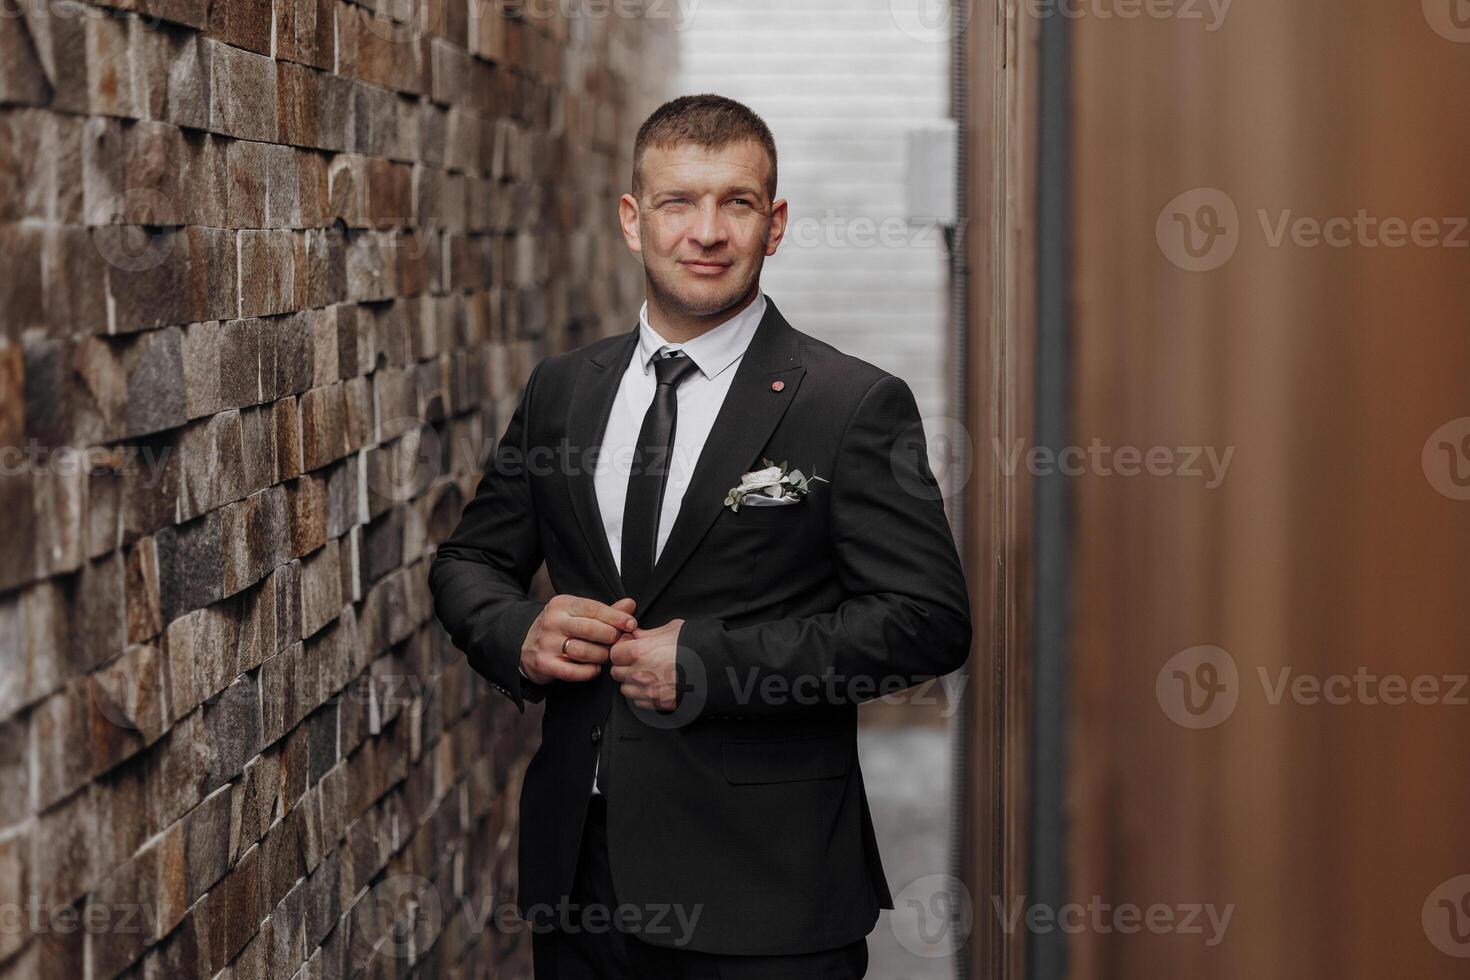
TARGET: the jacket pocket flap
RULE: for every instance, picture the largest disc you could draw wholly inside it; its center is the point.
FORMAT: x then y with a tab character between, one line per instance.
787	760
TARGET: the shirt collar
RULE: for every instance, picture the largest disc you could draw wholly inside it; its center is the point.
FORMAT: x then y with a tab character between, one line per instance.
712	351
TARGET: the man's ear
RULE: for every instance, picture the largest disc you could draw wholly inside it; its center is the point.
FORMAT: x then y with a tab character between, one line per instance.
780	212
630	219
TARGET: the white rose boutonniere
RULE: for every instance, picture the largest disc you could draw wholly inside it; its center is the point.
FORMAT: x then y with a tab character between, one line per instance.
774	482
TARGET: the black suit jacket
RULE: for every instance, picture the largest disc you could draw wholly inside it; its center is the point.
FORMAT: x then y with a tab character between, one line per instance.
745	805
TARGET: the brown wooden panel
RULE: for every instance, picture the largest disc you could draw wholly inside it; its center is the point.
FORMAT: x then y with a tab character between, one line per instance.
1000	129
1326	549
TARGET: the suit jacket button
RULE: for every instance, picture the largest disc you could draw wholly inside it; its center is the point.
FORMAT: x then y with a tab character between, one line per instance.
596	734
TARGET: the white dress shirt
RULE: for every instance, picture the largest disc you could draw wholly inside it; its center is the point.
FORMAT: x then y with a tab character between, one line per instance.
716	353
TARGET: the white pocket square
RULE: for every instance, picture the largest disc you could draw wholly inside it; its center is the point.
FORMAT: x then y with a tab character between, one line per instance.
761	500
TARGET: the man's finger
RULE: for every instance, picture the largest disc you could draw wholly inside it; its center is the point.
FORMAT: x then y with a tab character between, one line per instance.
582	651
622	653
592	609
594	630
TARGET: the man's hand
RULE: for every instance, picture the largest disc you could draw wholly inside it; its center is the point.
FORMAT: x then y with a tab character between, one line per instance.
593	627
643	664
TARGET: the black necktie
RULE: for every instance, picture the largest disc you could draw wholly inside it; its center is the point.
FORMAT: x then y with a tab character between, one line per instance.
650	472
645	498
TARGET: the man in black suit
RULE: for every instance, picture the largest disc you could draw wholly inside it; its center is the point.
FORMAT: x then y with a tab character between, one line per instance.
746	541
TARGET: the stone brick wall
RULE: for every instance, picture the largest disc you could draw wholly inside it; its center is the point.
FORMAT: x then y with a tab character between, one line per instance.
271	277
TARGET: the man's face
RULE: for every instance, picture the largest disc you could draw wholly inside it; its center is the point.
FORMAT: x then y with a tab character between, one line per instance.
704	224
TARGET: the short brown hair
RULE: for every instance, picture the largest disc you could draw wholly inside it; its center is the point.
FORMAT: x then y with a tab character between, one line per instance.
712	121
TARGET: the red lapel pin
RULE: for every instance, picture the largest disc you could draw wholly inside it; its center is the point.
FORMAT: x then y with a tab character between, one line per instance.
777	385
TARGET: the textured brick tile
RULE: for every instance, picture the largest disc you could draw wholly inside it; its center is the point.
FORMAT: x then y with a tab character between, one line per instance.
242	23
336	112
189	80
267	273
175	771
202	349
246	183
286	361
323	437
389	188
168	277
213	466
244	539
230	913
297	105
22	293
487	31
239	361
242	97
144	613
154	365
15	856
205	835
189	13
23	79
65	845
26	187
232	724
287	690
190	574
326	267
128	693
371	267
307	498
212	273
311	169
14	770
287	424
255	802
109	63
282	863
258	436
321	588
103	156
76	289
283	188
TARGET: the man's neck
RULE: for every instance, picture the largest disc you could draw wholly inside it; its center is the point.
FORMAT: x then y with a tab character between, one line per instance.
681	329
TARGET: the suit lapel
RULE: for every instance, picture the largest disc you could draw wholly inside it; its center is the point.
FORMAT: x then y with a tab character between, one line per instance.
746	419
591	405
743	426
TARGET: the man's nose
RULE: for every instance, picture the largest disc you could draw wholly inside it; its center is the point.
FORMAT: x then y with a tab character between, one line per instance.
707	229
